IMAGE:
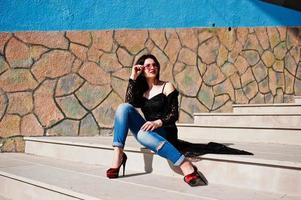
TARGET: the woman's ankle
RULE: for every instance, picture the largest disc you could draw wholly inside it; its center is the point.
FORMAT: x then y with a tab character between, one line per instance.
118	152
186	167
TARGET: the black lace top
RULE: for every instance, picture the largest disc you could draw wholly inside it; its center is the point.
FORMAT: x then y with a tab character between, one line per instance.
158	107
166	108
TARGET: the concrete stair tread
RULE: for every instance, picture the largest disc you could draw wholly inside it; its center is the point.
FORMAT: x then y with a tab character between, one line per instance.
268	154
234	127
85	181
268	105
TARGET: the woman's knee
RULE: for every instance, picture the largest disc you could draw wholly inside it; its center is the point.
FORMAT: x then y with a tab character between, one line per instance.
150	141
141	136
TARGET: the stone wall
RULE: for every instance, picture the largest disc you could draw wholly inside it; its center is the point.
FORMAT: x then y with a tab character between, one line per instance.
70	83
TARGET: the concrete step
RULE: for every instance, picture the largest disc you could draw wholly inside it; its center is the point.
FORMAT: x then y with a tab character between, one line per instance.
288	121
283	108
274	168
297	99
240	134
26	176
3	198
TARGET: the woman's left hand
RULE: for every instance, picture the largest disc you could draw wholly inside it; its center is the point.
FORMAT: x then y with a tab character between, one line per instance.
151	125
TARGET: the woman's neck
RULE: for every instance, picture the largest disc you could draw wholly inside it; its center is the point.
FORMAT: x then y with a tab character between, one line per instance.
151	82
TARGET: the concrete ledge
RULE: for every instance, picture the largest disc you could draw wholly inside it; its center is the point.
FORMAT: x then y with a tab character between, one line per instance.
270	160
288	121
269	157
247	114
268	105
89	182
233	127
298	99
293	108
262	135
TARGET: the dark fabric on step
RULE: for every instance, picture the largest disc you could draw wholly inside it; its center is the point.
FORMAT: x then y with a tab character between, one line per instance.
197	149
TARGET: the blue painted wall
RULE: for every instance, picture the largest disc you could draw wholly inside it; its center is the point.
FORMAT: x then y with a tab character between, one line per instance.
19	15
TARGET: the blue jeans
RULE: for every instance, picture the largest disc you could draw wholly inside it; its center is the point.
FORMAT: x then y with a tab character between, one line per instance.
127	117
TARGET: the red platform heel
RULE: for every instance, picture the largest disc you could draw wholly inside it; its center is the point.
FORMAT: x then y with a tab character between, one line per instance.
195	179
114	172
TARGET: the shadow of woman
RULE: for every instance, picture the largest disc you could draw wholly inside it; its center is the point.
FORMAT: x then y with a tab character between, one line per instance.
193	151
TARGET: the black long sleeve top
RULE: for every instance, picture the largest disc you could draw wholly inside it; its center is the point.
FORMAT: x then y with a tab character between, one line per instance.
158	107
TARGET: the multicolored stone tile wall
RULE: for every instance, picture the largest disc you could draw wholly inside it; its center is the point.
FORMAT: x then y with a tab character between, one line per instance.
70	83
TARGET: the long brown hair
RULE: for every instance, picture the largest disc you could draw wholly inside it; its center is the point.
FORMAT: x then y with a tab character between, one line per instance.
141	80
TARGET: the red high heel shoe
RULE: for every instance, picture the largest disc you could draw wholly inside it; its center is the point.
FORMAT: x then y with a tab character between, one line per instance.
114	172
194	179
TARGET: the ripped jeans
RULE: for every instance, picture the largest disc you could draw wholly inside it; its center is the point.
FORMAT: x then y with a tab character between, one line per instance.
127	117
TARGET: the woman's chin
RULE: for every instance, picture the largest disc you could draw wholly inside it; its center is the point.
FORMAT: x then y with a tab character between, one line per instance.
150	76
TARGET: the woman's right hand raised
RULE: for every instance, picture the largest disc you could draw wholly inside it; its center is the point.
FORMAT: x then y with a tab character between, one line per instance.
136	71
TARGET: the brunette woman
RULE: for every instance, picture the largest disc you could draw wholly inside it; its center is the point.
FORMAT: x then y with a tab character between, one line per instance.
158	101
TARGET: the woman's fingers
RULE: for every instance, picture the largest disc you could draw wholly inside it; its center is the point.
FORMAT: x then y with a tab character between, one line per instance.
153	128
144	126
148	126
138	68
136	71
